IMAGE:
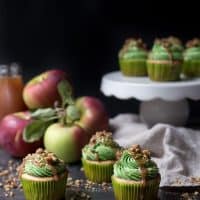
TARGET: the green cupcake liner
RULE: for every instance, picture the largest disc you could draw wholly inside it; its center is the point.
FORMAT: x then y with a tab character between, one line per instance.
131	67
47	189
132	190
98	172
164	71
191	68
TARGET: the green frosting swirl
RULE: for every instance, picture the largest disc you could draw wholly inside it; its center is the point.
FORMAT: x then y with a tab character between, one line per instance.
43	164
102	147
193	50
166	49
130	168
133	49
192	53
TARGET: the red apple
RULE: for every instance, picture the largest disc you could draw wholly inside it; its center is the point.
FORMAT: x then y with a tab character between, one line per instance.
42	91
65	141
93	114
11	129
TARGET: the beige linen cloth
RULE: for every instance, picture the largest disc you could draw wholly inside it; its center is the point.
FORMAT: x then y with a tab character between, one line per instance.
175	150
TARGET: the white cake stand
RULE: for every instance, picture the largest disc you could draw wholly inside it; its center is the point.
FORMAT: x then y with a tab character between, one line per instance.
164	102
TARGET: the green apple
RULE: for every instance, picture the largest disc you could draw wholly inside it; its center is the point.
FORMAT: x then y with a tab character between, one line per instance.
65	141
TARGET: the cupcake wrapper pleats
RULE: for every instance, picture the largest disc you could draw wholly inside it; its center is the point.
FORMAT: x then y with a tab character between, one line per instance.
98	172
133	67
164	71
44	190
125	190
191	68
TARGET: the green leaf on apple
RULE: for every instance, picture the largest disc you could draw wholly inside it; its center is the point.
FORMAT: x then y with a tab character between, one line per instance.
72	113
35	131
65	91
44	113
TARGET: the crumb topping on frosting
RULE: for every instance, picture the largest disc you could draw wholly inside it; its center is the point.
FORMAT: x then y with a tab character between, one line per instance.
101	147
42	157
42	164
168	42
100	136
193	43
138	154
135	42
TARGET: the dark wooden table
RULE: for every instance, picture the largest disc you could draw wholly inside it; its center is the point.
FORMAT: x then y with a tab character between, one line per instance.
97	192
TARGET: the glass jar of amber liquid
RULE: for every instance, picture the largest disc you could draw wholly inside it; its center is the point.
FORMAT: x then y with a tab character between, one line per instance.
11	87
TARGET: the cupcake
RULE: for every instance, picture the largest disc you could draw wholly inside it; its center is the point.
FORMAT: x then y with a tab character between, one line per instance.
191	64
99	156
132	58
165	60
135	176
43	176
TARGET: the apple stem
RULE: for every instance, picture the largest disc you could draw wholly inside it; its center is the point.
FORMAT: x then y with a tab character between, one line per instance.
61	115
62	121
56	104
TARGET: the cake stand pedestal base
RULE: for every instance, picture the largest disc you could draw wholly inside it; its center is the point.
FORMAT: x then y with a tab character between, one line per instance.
169	112
162	102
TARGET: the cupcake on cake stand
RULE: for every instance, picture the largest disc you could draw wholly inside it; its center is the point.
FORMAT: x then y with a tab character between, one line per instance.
162	102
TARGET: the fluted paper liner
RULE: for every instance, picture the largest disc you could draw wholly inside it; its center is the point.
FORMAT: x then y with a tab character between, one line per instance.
98	171
133	67
44	188
135	190
164	71
191	68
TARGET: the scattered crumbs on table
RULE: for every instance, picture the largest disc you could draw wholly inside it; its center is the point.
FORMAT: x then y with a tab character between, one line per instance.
81	169
9	181
190	181
88	185
78	195
177	182
190	196
77	189
195	180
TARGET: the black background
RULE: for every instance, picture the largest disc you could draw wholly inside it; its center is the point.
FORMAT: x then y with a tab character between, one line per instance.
84	37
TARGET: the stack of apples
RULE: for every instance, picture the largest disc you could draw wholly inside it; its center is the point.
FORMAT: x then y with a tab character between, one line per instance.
54	119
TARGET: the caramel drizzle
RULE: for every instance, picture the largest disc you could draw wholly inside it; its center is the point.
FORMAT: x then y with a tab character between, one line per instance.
144	173
51	160
55	174
141	157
